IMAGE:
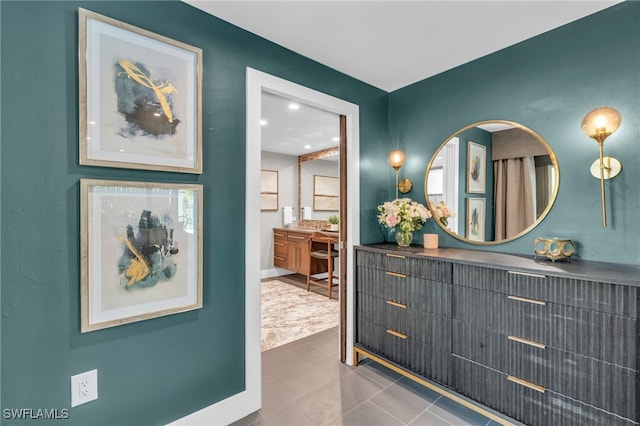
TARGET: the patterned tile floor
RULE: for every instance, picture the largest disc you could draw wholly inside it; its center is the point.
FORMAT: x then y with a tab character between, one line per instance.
305	384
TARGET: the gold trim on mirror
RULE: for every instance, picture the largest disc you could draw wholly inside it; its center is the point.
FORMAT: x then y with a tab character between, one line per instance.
460	235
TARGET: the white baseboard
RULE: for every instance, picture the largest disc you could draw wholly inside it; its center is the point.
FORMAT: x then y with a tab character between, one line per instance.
222	413
274	272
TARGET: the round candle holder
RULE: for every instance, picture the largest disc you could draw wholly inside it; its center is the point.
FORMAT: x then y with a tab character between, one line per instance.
554	248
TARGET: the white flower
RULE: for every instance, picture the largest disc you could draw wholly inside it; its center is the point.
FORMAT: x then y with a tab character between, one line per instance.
403	214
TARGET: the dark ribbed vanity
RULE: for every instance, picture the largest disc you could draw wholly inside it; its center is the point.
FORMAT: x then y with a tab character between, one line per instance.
541	342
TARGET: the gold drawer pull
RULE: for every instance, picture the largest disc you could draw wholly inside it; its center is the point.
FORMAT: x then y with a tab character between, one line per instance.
296	237
397	334
395	255
399	305
527	342
394	274
524	299
279	235
279	258
278	244
526	384
528	274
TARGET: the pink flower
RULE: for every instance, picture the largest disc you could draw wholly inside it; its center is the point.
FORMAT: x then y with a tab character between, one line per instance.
392	220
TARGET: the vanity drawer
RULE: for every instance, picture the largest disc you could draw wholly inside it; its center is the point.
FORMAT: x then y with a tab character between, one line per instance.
383	284
431	296
433	270
526	401
390	262
298	237
390	343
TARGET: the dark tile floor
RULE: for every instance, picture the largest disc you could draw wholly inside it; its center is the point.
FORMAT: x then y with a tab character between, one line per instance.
303	383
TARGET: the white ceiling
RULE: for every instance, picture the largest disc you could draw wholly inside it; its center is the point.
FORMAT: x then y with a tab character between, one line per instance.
388	44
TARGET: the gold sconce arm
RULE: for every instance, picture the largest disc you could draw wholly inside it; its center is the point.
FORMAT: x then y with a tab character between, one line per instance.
396	159
599	124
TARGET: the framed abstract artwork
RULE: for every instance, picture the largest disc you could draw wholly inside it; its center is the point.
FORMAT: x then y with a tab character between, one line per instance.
141	251
476	219
140	98
476	168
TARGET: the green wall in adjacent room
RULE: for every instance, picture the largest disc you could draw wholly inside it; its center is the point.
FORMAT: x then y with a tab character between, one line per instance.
154	371
548	84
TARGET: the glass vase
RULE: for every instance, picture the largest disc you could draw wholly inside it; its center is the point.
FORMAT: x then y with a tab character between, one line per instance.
404	238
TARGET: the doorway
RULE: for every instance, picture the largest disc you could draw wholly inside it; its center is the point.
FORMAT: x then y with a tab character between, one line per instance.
300	191
257	83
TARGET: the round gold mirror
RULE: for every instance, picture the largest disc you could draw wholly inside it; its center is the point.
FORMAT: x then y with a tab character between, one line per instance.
491	182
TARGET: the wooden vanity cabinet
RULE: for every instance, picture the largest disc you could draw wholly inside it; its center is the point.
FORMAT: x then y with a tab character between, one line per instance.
291	251
280	249
298	252
542	343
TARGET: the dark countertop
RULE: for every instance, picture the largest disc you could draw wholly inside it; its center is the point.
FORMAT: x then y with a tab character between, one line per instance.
574	268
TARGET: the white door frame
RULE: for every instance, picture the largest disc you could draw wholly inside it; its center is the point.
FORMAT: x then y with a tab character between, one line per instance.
258	82
250	400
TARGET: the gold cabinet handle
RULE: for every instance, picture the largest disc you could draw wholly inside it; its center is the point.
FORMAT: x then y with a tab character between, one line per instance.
399	305
397	334
399	256
527	274
395	274
527	342
526	384
524	299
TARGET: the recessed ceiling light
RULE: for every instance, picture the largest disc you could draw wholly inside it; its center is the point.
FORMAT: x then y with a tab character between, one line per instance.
294	106
307	147
335	139
263	122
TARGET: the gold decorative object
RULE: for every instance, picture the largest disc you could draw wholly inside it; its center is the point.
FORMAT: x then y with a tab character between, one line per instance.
405	185
554	248
599	124
396	159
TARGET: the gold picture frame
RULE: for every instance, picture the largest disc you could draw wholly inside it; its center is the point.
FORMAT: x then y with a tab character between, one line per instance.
476	168
141	251
140	98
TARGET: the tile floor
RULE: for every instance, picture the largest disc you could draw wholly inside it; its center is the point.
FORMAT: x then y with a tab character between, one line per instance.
303	383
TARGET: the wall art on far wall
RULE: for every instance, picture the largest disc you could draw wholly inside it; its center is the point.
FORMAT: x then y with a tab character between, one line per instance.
140	98
269	190
476	219
141	251
476	168
326	193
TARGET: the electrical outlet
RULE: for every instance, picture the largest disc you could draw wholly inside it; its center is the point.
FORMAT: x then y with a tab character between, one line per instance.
84	387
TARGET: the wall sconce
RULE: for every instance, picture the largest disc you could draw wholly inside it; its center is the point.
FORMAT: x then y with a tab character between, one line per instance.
396	159
599	124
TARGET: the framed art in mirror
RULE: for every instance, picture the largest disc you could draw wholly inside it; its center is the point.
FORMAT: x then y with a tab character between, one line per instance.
141	251
476	219
140	98
476	168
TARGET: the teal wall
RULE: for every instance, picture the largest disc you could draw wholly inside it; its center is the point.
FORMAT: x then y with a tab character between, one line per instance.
548	84
153	371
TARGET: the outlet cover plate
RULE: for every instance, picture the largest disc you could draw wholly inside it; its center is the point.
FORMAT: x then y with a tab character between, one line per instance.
84	387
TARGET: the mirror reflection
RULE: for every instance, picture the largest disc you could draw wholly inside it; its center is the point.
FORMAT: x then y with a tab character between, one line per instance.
491	182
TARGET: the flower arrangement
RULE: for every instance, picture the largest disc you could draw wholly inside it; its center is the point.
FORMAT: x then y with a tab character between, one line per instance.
442	212
403	214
